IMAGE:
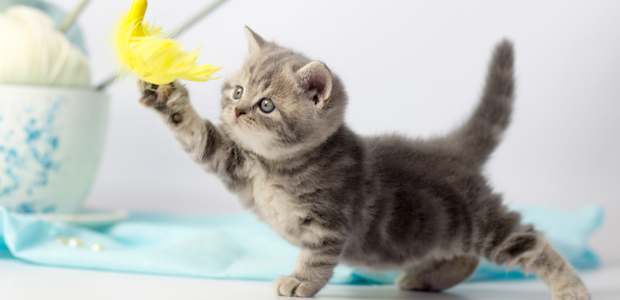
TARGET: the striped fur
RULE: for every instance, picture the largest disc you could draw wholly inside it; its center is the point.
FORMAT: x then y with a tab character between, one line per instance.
382	202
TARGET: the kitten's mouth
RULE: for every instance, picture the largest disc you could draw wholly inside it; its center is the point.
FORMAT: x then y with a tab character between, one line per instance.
243	122
236	121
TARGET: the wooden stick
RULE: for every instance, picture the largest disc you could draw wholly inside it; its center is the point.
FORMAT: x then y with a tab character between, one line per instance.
70	19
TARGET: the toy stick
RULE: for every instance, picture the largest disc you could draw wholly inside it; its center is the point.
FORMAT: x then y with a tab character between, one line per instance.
197	17
68	21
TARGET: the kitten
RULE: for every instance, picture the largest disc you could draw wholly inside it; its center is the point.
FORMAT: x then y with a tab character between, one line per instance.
382	202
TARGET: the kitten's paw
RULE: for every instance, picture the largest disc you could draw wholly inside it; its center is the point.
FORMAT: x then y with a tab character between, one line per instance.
291	286
411	282
573	293
168	97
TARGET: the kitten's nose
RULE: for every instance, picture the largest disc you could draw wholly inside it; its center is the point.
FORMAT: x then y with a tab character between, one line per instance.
239	112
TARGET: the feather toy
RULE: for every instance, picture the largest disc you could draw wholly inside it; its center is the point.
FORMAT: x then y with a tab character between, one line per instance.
145	50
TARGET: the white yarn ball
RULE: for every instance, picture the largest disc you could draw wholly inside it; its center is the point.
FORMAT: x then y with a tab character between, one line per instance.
33	52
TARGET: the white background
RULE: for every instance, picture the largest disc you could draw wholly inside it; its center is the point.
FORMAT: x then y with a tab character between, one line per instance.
412	67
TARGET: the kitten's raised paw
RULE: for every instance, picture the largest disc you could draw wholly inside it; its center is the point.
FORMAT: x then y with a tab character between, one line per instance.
149	93
291	286
163	96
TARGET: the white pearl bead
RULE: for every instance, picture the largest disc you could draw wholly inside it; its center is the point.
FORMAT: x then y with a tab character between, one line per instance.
61	240
75	242
96	247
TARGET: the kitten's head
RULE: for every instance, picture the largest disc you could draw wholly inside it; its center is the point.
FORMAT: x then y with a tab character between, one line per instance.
281	102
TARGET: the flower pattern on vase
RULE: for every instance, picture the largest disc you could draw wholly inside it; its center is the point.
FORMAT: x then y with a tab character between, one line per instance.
27	154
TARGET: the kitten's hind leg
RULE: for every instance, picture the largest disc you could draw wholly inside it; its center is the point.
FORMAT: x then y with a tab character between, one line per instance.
437	275
557	273
504	240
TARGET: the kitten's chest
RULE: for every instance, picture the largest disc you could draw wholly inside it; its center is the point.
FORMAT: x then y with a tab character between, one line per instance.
275	205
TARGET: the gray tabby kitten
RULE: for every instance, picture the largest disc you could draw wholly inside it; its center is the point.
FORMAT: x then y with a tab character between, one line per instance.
382	202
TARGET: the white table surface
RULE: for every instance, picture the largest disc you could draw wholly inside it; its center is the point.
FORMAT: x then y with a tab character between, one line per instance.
19	280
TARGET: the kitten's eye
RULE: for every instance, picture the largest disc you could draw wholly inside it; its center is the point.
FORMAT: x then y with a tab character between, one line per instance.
238	92
267	105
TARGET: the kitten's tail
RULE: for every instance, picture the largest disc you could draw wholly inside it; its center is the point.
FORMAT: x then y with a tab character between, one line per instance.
479	136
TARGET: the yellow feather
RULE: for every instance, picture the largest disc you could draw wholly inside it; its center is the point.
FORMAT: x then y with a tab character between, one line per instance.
146	51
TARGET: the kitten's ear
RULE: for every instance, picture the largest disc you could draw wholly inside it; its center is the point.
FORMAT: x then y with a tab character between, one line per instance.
316	81
256	43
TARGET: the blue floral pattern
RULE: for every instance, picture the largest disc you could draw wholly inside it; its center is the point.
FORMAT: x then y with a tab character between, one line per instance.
27	157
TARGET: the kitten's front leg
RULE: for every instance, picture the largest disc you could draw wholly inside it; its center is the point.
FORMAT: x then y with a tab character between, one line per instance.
314	268
172	103
205	143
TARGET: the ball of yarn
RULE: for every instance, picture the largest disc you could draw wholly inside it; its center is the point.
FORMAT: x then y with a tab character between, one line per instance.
58	15
33	52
